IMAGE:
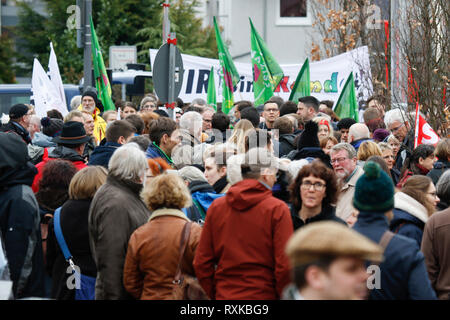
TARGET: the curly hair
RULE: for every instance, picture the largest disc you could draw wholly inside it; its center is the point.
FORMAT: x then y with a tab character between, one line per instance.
318	170
54	185
167	190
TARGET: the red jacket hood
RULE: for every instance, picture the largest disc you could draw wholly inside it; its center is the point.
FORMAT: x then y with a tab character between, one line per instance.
246	194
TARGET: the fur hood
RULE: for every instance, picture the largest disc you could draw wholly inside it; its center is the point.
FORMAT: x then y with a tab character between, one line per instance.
412	206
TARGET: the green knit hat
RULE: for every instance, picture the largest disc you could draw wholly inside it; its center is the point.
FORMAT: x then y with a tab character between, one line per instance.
374	190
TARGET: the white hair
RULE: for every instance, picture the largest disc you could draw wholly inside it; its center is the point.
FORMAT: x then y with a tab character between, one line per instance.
128	162
193	122
395	115
234	173
34	119
5	118
75	102
359	131
294	168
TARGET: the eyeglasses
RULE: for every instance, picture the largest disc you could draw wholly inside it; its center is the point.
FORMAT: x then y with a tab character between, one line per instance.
340	160
393	130
271	110
318	186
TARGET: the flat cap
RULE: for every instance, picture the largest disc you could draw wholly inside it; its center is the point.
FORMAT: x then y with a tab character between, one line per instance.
329	238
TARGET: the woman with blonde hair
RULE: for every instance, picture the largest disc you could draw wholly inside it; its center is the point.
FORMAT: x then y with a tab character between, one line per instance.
415	203
368	149
74	224
154	248
238	136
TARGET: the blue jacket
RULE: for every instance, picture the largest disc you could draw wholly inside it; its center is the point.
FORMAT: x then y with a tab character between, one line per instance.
101	154
403	273
153	152
407	225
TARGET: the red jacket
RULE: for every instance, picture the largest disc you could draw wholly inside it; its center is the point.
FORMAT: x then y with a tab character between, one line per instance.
245	234
40	166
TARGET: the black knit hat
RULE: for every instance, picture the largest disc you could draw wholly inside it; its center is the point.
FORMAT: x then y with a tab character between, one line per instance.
94	96
51	126
18	111
374	190
72	133
308	137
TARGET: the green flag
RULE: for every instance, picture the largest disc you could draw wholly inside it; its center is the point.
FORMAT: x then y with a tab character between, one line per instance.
302	86
100	75
230	76
267	73
347	106
211	97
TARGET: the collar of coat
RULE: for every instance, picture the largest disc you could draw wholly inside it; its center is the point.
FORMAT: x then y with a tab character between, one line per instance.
168	212
410	205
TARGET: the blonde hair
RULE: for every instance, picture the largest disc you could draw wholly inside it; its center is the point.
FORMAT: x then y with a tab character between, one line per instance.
368	149
86	182
167	190
238	136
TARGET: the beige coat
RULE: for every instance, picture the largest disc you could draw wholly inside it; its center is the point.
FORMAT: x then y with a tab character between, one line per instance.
344	207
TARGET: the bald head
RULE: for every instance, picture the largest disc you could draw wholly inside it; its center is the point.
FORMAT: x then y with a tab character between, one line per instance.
358	131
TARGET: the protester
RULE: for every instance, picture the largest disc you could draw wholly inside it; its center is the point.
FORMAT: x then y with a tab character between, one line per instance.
118	133
148	104
136	121
148	117
153	250
270	114
442	153
357	134
74	223
288	107
327	143
380	135
89	128
403	275
128	108
239	107
142	141
314	204
326	269
389	158
220	123
252	115
207	114
216	168
343	160
344	126
115	212
413	205
420	162
238	136
19	121
109	116
366	150
307	107
325	127
70	146
91	104
373	120
19	218
286	136
165	137
245	233
436	240
156	166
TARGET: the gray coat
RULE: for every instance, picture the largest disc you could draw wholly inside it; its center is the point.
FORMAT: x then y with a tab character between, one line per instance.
115	212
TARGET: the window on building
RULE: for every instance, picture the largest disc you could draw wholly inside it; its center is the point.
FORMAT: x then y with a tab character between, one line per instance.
293	12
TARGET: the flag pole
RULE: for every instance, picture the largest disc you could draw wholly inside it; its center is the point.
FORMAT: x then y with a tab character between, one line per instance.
416	130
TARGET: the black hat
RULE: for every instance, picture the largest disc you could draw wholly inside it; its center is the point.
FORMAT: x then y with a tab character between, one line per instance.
72	133
308	137
51	127
18	111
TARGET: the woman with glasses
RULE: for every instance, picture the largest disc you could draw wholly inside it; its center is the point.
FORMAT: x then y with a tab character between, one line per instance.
313	193
413	205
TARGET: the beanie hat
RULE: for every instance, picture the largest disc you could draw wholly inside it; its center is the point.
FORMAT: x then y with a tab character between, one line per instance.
18	111
309	137
374	190
380	134
94	96
51	126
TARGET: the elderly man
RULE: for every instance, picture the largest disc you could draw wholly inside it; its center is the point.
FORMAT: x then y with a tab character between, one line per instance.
397	122
90	103
343	160
357	134
207	116
115	212
241	250
326	269
307	107
19	121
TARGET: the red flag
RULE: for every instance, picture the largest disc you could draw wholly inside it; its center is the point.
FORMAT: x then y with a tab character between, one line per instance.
424	134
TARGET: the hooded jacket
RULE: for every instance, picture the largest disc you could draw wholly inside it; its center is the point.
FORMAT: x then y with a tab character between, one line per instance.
287	144
58	152
99	124
19	219
241	250
403	275
439	167
102	154
43	140
410	217
203	195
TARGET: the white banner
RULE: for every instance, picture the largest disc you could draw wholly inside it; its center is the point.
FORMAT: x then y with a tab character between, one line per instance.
55	78
327	77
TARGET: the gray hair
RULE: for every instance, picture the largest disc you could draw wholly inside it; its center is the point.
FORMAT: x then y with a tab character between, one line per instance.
193	122
395	115
384	146
443	187
351	152
147	99
359	131
294	168
190	173
128	162
34	119
75	102
199	102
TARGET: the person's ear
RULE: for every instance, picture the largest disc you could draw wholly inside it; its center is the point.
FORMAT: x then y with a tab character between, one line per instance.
223	171
121	140
315	277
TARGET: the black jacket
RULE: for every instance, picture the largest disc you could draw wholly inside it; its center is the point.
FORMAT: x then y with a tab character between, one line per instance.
310	153
13	126
328	213
101	155
287	144
439	168
74	225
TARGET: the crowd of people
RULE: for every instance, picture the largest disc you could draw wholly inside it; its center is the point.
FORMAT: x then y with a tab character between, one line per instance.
283	201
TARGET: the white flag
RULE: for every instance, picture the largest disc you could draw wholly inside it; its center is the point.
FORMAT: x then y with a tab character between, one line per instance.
55	77
46	97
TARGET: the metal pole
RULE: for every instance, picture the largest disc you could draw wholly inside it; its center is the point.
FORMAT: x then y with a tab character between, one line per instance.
166	22
171	84
87	45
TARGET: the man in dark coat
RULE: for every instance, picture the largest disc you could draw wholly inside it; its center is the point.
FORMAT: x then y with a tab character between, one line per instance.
118	133
19	120
286	133
403	274
19	218
442	152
